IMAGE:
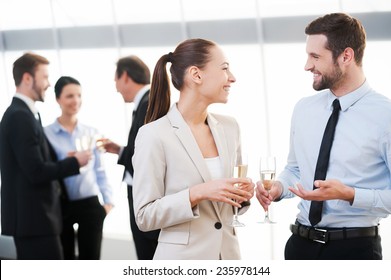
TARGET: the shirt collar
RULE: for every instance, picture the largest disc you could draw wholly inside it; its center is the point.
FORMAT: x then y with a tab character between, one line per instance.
139	96
349	99
30	103
59	128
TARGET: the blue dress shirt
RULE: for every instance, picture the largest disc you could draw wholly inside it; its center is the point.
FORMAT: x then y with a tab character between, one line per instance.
360	156
92	179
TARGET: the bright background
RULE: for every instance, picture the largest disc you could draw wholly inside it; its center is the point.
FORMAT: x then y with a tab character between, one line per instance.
264	41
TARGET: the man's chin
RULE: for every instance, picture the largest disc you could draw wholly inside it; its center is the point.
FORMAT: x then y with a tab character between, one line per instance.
41	99
318	87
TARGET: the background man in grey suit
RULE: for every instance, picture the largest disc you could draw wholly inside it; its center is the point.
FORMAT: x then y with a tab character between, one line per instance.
30	172
132	79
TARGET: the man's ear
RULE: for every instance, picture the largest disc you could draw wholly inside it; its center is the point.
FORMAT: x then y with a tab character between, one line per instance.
27	78
347	55
125	76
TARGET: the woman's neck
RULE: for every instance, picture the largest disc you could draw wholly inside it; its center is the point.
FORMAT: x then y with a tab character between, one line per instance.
68	122
193	112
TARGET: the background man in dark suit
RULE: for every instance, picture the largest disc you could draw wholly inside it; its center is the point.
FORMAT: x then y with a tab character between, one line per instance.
30	190
132	79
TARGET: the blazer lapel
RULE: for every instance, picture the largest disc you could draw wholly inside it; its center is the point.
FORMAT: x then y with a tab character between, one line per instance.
221	143
225	158
184	134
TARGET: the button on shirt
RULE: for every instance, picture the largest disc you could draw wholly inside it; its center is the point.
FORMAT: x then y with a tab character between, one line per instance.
92	180
360	156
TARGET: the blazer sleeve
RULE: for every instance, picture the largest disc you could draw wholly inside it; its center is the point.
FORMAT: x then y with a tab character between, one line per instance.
28	146
155	206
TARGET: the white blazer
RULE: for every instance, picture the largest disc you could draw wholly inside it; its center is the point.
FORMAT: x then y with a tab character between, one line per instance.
167	161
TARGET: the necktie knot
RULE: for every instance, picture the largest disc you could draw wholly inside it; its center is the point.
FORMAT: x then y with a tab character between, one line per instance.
336	105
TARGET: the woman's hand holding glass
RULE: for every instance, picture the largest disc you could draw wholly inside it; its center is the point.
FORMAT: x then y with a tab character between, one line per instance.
232	191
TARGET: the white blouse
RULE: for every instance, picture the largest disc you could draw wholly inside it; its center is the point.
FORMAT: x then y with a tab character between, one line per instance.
215	167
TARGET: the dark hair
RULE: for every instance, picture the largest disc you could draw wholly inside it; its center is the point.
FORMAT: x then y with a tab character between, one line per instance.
342	31
62	82
192	52
27	63
135	69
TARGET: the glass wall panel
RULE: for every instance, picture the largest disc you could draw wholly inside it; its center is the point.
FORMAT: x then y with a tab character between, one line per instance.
71	13
364	6
281	8
5	92
218	9
147	11
25	14
377	59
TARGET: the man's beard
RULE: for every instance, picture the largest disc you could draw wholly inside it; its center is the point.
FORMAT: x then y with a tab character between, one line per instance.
330	81
39	92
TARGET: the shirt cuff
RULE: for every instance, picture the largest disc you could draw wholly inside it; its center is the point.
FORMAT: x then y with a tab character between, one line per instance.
363	198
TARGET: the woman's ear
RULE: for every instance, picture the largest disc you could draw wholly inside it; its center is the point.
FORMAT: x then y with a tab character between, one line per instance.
195	74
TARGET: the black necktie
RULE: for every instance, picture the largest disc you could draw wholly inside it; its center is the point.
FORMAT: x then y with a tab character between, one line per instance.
323	160
38	117
133	115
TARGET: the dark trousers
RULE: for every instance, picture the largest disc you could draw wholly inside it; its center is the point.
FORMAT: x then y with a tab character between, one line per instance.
38	248
89	214
145	242
364	248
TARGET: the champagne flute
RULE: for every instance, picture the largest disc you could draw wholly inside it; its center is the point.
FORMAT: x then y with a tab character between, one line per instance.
240	171
267	170
99	144
84	142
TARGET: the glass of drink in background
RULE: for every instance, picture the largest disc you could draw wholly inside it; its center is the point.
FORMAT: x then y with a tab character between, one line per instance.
84	142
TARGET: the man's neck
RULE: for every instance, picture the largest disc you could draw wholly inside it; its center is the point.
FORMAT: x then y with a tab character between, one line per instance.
350	83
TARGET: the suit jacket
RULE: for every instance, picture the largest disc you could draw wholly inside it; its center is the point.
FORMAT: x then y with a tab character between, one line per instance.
137	122
167	162
30	190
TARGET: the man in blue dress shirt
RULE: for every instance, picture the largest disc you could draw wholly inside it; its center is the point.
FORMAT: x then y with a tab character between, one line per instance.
356	192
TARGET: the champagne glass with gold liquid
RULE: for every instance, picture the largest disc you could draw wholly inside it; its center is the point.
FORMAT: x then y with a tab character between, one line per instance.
267	170
240	171
84	143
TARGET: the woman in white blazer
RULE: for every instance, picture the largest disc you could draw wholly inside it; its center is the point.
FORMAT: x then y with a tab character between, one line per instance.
184	158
